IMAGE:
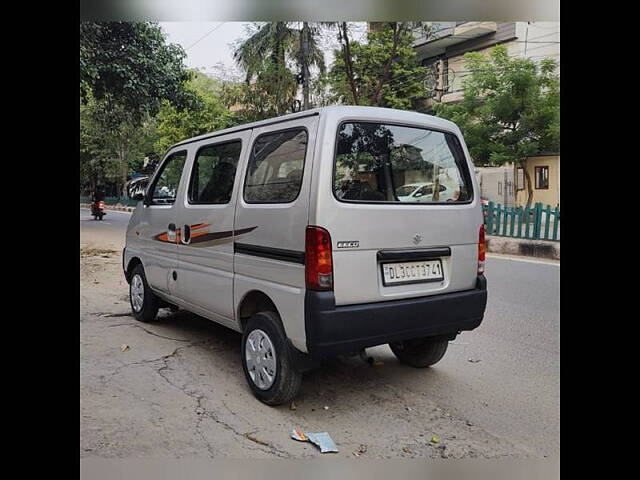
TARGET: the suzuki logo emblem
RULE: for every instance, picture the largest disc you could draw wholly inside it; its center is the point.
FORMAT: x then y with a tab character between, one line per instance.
417	238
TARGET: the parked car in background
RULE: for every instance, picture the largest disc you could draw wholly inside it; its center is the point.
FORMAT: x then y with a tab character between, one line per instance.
423	192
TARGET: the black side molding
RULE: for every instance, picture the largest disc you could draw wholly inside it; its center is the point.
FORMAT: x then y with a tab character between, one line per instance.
413	255
269	252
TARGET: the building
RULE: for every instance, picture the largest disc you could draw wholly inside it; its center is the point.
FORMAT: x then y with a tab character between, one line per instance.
506	185
442	51
544	171
497	184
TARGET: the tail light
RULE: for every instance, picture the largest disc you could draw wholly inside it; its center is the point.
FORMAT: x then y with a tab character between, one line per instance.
482	248
318	259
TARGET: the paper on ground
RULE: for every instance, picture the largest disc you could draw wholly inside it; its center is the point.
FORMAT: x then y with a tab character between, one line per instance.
321	439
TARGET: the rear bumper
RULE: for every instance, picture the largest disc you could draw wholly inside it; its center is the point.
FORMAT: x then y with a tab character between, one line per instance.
335	330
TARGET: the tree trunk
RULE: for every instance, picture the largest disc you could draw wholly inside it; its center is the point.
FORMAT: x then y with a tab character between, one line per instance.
529	187
348	64
384	78
306	105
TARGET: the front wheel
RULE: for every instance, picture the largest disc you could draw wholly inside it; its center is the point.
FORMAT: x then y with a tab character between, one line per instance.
144	302
420	352
267	360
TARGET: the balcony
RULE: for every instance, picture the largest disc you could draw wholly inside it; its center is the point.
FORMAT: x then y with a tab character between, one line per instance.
451	33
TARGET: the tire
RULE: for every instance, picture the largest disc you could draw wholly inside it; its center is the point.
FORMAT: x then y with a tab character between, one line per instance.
285	382
146	308
420	352
100	215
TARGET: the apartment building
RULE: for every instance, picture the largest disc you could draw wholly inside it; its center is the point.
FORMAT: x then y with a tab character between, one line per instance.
443	50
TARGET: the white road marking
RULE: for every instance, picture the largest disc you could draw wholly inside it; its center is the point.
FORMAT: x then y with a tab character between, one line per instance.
555	263
109	211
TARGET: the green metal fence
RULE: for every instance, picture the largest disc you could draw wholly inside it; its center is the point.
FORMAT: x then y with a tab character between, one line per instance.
537	222
127	202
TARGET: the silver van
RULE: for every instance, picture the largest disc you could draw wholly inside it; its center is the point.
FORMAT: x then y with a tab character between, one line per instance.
314	234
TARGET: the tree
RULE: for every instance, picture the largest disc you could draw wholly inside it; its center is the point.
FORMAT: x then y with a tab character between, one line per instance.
174	125
268	56
130	69
263	56
383	72
510	110
107	152
127	71
308	54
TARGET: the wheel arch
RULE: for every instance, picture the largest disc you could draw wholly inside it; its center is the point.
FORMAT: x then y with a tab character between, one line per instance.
133	263
252	302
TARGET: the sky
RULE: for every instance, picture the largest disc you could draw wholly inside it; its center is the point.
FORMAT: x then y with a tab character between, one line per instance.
209	44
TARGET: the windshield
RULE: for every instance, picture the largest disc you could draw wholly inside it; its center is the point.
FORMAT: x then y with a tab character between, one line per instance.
388	163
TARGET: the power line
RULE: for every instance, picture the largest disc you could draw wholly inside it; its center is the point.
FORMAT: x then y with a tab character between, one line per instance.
205	35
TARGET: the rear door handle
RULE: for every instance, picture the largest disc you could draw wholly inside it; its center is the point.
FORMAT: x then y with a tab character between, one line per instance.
186	235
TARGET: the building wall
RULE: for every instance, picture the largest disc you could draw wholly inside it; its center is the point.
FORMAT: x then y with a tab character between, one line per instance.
551	196
496	184
534	40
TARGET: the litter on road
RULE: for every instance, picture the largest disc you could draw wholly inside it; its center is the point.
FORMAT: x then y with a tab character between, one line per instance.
321	439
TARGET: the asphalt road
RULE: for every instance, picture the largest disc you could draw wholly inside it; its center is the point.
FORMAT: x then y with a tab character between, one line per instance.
502	377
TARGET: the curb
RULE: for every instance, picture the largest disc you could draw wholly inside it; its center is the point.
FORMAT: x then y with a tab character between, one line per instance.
523	247
119	208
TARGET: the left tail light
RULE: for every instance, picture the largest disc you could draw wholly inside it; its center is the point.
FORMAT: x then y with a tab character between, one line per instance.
482	249
318	262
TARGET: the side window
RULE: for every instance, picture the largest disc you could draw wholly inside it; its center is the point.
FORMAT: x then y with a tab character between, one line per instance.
427	190
214	171
274	173
166	185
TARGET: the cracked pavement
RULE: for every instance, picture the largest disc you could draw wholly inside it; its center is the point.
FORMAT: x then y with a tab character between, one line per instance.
178	391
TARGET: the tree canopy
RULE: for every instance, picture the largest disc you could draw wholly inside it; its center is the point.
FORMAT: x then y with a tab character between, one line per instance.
382	72
510	110
130	69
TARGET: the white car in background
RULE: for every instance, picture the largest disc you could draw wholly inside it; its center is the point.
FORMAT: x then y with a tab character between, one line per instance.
423	192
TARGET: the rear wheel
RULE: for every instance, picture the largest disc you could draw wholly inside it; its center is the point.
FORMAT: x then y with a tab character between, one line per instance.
144	302
267	361
100	215
420	352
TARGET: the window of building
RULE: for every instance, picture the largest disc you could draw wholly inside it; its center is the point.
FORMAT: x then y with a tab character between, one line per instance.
542	178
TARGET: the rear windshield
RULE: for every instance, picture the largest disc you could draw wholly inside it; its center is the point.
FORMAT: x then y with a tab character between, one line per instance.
391	164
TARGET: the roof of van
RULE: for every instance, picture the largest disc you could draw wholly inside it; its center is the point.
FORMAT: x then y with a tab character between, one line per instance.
350	111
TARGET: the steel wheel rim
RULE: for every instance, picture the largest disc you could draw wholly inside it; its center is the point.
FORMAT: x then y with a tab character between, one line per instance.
260	359
137	293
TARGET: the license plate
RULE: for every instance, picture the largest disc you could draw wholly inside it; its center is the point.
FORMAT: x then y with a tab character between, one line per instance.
412	272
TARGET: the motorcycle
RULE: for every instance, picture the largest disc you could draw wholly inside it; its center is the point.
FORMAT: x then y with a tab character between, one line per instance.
98	210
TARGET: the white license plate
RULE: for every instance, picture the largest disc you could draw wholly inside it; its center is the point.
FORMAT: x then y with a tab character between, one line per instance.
412	272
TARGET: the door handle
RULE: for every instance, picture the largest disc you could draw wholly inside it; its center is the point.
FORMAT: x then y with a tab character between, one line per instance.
171	234
186	235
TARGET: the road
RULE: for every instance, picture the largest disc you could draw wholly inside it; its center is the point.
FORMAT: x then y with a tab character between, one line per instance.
496	392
